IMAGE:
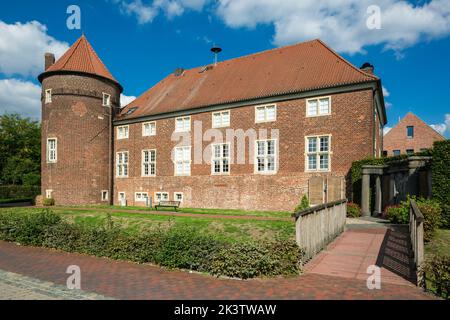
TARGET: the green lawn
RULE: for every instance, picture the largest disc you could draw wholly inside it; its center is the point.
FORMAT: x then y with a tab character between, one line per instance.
440	245
227	229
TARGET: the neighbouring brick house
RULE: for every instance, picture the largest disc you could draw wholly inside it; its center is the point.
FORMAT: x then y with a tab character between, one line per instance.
255	132
409	136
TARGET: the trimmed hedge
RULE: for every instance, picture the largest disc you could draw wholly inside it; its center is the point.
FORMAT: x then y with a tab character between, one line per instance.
435	273
177	247
353	210
441	177
14	192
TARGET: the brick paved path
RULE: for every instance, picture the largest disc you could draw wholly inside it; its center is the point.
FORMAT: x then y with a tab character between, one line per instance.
124	280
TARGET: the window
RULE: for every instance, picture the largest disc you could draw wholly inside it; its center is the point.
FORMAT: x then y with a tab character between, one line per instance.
48	193
409	151
148	129
318	153
148	163
106	100
52	150
385	153
410	131
265	113
178	196
48	96
221	119
161	196
265	156
140	196
396	152
183	124
220	158
318	107
105	195
122	132
122	199
182	161
122	164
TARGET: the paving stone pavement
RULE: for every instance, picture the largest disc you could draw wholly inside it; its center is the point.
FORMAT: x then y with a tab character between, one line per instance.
14	286
125	280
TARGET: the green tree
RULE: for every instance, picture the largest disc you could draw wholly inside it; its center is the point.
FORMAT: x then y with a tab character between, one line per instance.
20	150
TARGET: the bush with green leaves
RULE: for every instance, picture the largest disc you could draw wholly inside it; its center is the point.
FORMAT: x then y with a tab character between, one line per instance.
176	247
48	202
353	210
399	213
435	274
441	177
303	205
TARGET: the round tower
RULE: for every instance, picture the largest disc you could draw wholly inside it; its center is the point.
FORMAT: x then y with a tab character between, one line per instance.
80	98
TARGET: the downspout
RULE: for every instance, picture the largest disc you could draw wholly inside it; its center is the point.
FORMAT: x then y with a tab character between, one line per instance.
111	167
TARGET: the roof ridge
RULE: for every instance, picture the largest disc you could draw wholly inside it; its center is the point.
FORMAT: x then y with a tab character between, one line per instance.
88	49
71	53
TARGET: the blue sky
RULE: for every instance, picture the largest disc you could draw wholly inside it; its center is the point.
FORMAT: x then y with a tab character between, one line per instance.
141	41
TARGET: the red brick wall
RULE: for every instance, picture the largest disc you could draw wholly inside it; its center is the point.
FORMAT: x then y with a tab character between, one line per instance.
424	136
77	119
351	126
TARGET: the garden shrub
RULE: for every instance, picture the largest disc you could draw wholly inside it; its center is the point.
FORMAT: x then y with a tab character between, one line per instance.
175	247
398	213
303	205
48	202
435	273
441	177
353	210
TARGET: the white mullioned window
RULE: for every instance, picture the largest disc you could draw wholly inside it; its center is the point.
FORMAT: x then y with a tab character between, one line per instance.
178	196
161	196
148	163
318	150
266	113
48	96
140	196
183	124
183	161
220	162
123	132
122	164
221	119
106	100
149	129
318	107
52	150
265	156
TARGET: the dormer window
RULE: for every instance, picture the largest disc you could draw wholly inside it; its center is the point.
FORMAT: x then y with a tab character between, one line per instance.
48	96
106	100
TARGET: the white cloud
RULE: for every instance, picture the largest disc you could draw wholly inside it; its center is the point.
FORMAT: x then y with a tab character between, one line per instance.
124	100
443	128
23	97
386	93
387	104
386	129
22	48
342	23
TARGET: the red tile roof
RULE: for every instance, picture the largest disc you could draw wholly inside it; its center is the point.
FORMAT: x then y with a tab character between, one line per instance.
296	68
81	57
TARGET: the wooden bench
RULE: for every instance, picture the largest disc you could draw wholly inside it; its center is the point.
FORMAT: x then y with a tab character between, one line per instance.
168	204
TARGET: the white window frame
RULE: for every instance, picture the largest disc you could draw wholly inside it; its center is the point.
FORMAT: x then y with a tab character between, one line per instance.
318	153
151	123
176	161
123	164
318	112
150	162
126	132
186	118
221	114
161	193
106	99
142	197
266	106
221	158
124	196
266	155
49	159
48	193
175	196
48	96
107	195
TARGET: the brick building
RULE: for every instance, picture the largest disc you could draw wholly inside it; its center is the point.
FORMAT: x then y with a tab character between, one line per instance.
255	132
409	136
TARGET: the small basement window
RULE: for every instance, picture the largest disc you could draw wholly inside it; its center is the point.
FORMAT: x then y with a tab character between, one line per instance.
105	195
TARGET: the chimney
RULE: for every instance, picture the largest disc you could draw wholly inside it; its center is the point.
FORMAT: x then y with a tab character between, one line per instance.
49	60
367	67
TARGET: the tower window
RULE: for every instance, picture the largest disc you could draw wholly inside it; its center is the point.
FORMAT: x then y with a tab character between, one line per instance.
52	150
410	131
48	96
106	100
